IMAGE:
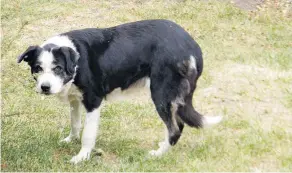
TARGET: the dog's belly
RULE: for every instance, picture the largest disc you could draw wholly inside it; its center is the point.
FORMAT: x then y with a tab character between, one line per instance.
138	91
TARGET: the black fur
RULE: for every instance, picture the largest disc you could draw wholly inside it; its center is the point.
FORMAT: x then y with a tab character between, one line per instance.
116	57
30	54
49	47
119	56
67	58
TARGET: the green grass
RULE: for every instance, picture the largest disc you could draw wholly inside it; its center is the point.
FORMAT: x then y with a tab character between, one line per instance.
247	78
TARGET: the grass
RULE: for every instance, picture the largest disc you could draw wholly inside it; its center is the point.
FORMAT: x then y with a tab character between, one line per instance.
247	78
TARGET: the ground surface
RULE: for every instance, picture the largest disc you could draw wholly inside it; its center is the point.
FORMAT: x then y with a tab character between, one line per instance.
247	78
248	4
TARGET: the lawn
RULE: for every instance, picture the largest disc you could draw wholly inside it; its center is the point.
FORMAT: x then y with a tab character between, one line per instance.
247	78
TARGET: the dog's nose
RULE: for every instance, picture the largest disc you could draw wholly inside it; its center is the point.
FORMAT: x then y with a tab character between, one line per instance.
45	87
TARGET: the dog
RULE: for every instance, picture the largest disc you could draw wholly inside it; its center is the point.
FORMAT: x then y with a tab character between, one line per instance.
84	67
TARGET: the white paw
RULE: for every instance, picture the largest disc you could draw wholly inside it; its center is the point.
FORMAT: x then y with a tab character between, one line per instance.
69	138
163	148
84	154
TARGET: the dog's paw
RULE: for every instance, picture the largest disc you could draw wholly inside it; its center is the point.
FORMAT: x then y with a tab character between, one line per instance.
69	138
163	148
84	154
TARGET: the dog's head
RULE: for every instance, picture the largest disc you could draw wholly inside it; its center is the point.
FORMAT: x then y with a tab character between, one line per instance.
51	66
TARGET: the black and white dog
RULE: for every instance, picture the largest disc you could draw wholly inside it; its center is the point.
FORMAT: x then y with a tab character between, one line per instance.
86	66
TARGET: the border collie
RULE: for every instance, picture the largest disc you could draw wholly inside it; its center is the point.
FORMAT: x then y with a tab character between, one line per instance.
83	67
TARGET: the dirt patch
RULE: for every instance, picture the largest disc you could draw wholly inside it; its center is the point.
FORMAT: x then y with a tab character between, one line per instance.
247	4
254	92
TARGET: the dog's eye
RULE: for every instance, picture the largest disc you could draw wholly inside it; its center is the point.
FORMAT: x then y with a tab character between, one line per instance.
58	69
38	69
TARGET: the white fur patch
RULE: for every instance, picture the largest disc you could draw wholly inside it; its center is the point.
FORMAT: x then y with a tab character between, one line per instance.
131	92
192	62
164	146
88	136
46	59
70	92
55	82
60	40
209	121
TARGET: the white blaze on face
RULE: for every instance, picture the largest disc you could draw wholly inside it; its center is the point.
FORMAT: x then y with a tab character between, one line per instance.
47	76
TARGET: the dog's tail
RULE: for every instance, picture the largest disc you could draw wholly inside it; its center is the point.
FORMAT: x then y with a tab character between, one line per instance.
194	119
191	70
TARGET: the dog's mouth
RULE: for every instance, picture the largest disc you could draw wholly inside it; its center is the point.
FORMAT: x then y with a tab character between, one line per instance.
46	92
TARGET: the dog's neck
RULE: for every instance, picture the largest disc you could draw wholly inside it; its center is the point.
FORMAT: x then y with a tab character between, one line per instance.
69	92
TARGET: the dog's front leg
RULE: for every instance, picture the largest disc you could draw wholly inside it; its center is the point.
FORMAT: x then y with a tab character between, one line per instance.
88	135
75	113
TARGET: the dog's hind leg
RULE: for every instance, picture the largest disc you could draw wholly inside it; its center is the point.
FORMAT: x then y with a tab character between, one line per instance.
180	123
166	106
174	127
75	113
172	130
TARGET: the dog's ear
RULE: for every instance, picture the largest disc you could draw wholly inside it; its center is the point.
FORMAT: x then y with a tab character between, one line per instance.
30	53
70	57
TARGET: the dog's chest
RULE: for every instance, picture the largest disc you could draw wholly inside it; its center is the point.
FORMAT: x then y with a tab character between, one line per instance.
70	93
